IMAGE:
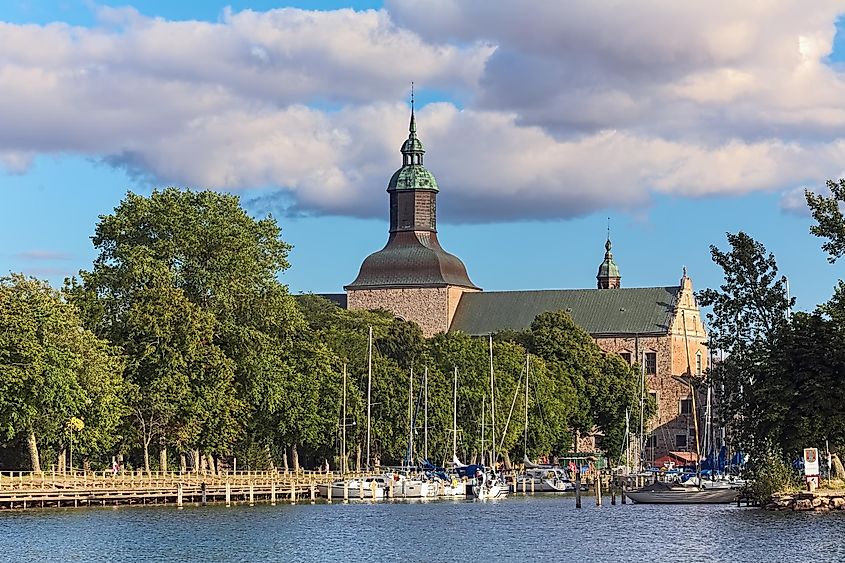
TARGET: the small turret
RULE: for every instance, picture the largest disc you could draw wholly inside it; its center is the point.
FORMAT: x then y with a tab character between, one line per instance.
608	276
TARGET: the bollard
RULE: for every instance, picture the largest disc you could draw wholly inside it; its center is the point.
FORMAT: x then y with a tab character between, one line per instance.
532	485
228	494
179	495
622	492
329	492
312	492
598	489
273	493
577	489
203	489
345	492
251	495
292	491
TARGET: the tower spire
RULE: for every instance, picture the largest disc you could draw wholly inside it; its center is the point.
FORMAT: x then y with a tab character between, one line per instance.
608	276
413	127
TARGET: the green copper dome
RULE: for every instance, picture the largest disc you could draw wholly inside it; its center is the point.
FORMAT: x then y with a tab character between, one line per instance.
608	268
413	175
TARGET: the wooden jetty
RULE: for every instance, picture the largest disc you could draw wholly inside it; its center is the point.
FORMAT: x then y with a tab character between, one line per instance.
24	489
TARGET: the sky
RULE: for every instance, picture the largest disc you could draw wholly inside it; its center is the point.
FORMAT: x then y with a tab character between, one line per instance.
674	122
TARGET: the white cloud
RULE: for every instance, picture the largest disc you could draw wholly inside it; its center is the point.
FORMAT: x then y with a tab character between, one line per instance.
570	107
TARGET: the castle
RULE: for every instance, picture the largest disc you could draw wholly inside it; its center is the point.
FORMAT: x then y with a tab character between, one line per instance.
417	280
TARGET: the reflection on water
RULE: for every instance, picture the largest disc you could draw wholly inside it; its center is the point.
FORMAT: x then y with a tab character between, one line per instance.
533	528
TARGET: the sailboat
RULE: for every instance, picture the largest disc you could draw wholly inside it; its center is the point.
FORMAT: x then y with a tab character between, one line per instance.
539	478
367	487
488	484
664	493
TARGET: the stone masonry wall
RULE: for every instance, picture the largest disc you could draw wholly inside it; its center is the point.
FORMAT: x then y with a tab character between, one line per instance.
428	307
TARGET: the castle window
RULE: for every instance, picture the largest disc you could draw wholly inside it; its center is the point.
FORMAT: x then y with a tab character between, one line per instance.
686	406
698	363
652	441
680	440
626	356
651	363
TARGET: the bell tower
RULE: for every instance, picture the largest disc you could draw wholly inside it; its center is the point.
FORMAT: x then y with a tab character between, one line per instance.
412	276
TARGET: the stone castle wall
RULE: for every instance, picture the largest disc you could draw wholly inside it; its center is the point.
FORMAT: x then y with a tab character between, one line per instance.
430	307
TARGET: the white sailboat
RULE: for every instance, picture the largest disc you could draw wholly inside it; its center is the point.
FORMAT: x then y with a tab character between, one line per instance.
488	484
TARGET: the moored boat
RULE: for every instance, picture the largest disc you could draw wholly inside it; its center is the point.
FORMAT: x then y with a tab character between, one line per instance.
662	493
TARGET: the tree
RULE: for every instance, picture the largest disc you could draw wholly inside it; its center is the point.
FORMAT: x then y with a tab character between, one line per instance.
201	257
750	311
52	370
830	222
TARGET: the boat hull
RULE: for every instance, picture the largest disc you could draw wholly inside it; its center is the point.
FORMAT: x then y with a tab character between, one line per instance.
684	496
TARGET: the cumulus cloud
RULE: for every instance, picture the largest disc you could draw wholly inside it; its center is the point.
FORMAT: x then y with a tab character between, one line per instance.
570	107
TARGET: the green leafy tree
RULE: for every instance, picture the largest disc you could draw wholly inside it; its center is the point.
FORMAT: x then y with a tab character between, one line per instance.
830	222
749	311
52	370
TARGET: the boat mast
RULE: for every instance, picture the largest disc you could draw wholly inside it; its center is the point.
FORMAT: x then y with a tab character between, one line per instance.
692	395
343	442
410	453
525	433
640	437
483	406
492	408
455	417
425	418
369	391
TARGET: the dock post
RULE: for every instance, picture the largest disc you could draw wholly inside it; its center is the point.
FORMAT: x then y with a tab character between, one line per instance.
361	489
312	492
598	489
373	488
577	489
273	493
329	492
228	493
622	492
251	495
613	493
292	490
532	485
204	490
179	495
345	492
524	485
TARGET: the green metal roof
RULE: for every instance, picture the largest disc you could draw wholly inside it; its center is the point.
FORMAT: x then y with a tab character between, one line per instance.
608	268
640	310
413	177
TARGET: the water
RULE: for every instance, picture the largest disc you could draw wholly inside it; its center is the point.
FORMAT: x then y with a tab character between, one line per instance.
533	528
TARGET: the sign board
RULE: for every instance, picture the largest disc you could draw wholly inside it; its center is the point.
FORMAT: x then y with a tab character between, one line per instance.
811	461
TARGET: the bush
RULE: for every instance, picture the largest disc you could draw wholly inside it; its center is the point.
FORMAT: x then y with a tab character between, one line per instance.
770	474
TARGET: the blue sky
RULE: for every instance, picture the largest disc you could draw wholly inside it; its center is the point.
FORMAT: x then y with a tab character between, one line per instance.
536	138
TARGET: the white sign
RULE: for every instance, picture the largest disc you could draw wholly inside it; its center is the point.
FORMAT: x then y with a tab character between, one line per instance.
811	461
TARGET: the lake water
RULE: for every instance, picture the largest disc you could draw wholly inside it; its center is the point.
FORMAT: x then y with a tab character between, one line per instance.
519	528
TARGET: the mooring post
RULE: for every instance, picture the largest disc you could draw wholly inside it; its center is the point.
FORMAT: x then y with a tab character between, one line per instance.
313	492
273	493
292	490
613	492
361	489
524	485
179	495
329	492
228	493
345	492
204	490
577	489
251	494
373	487
622	491
598	489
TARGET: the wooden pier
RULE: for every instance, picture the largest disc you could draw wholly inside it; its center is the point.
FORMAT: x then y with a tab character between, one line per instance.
23	490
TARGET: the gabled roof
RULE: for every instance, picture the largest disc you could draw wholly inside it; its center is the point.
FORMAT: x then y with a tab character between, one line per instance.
640	310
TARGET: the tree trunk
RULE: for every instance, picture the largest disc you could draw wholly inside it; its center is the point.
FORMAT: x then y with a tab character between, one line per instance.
195	455
147	458
183	463
211	466
358	457
162	459
62	462
294	457
285	459
32	445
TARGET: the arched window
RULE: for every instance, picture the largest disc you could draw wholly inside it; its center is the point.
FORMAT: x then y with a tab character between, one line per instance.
698	363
